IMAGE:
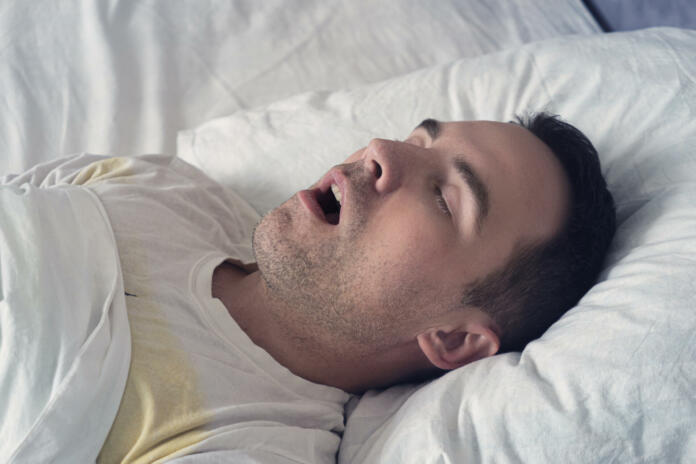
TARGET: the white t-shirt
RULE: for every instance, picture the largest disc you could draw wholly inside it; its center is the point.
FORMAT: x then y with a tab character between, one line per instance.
197	384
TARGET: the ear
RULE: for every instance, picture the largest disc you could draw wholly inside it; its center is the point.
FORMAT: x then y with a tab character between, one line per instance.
451	347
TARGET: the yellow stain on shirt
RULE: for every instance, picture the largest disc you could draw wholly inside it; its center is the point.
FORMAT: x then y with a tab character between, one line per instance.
104	169
161	411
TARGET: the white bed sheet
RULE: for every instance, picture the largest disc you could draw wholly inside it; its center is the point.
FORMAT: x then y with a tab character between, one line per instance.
122	77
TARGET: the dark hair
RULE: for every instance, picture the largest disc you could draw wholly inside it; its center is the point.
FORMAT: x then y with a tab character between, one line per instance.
541	281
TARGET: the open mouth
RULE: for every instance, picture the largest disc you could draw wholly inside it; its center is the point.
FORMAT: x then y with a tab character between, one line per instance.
330	203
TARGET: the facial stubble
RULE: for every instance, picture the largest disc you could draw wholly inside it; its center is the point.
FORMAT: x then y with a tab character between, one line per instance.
316	282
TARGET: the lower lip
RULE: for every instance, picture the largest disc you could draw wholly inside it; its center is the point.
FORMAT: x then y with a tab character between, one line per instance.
308	198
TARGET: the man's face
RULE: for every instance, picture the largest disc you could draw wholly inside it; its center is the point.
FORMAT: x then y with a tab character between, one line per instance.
420	219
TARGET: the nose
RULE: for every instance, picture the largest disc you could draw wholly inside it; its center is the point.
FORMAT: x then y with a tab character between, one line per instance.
386	160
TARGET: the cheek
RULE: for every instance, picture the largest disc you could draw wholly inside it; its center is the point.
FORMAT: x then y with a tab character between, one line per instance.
409	277
414	248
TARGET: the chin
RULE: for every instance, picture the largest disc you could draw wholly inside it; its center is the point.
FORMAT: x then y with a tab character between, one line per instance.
275	224
268	233
274	246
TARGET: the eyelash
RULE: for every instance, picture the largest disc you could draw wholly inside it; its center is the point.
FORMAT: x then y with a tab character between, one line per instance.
441	203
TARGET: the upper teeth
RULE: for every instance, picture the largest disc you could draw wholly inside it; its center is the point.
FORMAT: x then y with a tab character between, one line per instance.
337	192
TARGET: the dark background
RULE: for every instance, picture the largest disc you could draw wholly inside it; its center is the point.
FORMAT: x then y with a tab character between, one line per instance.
626	15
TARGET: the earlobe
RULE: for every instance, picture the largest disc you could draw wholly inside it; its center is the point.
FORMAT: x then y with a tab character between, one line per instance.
451	348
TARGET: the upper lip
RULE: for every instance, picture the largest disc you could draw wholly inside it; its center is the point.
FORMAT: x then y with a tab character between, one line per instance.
335	176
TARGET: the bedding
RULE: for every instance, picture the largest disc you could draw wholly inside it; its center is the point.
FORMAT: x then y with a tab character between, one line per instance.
612	380
122	77
64	350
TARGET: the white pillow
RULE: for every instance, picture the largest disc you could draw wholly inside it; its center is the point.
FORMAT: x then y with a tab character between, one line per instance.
613	380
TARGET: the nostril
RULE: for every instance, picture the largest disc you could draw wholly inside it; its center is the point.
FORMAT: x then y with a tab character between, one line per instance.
378	169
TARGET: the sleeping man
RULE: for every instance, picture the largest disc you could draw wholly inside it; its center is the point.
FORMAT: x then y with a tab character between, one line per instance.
411	259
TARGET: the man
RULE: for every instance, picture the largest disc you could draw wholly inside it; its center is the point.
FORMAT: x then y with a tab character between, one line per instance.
410	259
394	289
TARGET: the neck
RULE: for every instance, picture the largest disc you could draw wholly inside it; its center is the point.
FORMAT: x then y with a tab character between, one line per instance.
307	351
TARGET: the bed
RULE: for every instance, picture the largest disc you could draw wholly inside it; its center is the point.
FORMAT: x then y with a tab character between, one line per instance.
235	87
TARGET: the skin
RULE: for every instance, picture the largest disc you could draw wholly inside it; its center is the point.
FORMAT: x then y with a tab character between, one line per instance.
375	299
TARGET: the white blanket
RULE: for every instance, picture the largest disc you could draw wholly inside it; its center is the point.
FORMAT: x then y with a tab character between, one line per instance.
64	335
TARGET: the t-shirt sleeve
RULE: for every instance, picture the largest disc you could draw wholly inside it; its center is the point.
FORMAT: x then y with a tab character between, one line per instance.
84	169
55	172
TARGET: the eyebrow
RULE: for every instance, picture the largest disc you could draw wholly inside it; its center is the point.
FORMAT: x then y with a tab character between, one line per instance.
467	172
431	126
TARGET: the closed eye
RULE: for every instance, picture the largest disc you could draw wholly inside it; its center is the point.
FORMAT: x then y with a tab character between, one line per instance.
441	203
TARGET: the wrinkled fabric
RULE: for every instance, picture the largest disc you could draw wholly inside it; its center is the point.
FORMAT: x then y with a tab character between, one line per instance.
64	335
122	77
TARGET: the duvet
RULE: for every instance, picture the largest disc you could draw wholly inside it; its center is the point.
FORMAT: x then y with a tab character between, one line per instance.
64	335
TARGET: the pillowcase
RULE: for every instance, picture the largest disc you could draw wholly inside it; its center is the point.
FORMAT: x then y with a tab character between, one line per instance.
613	379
